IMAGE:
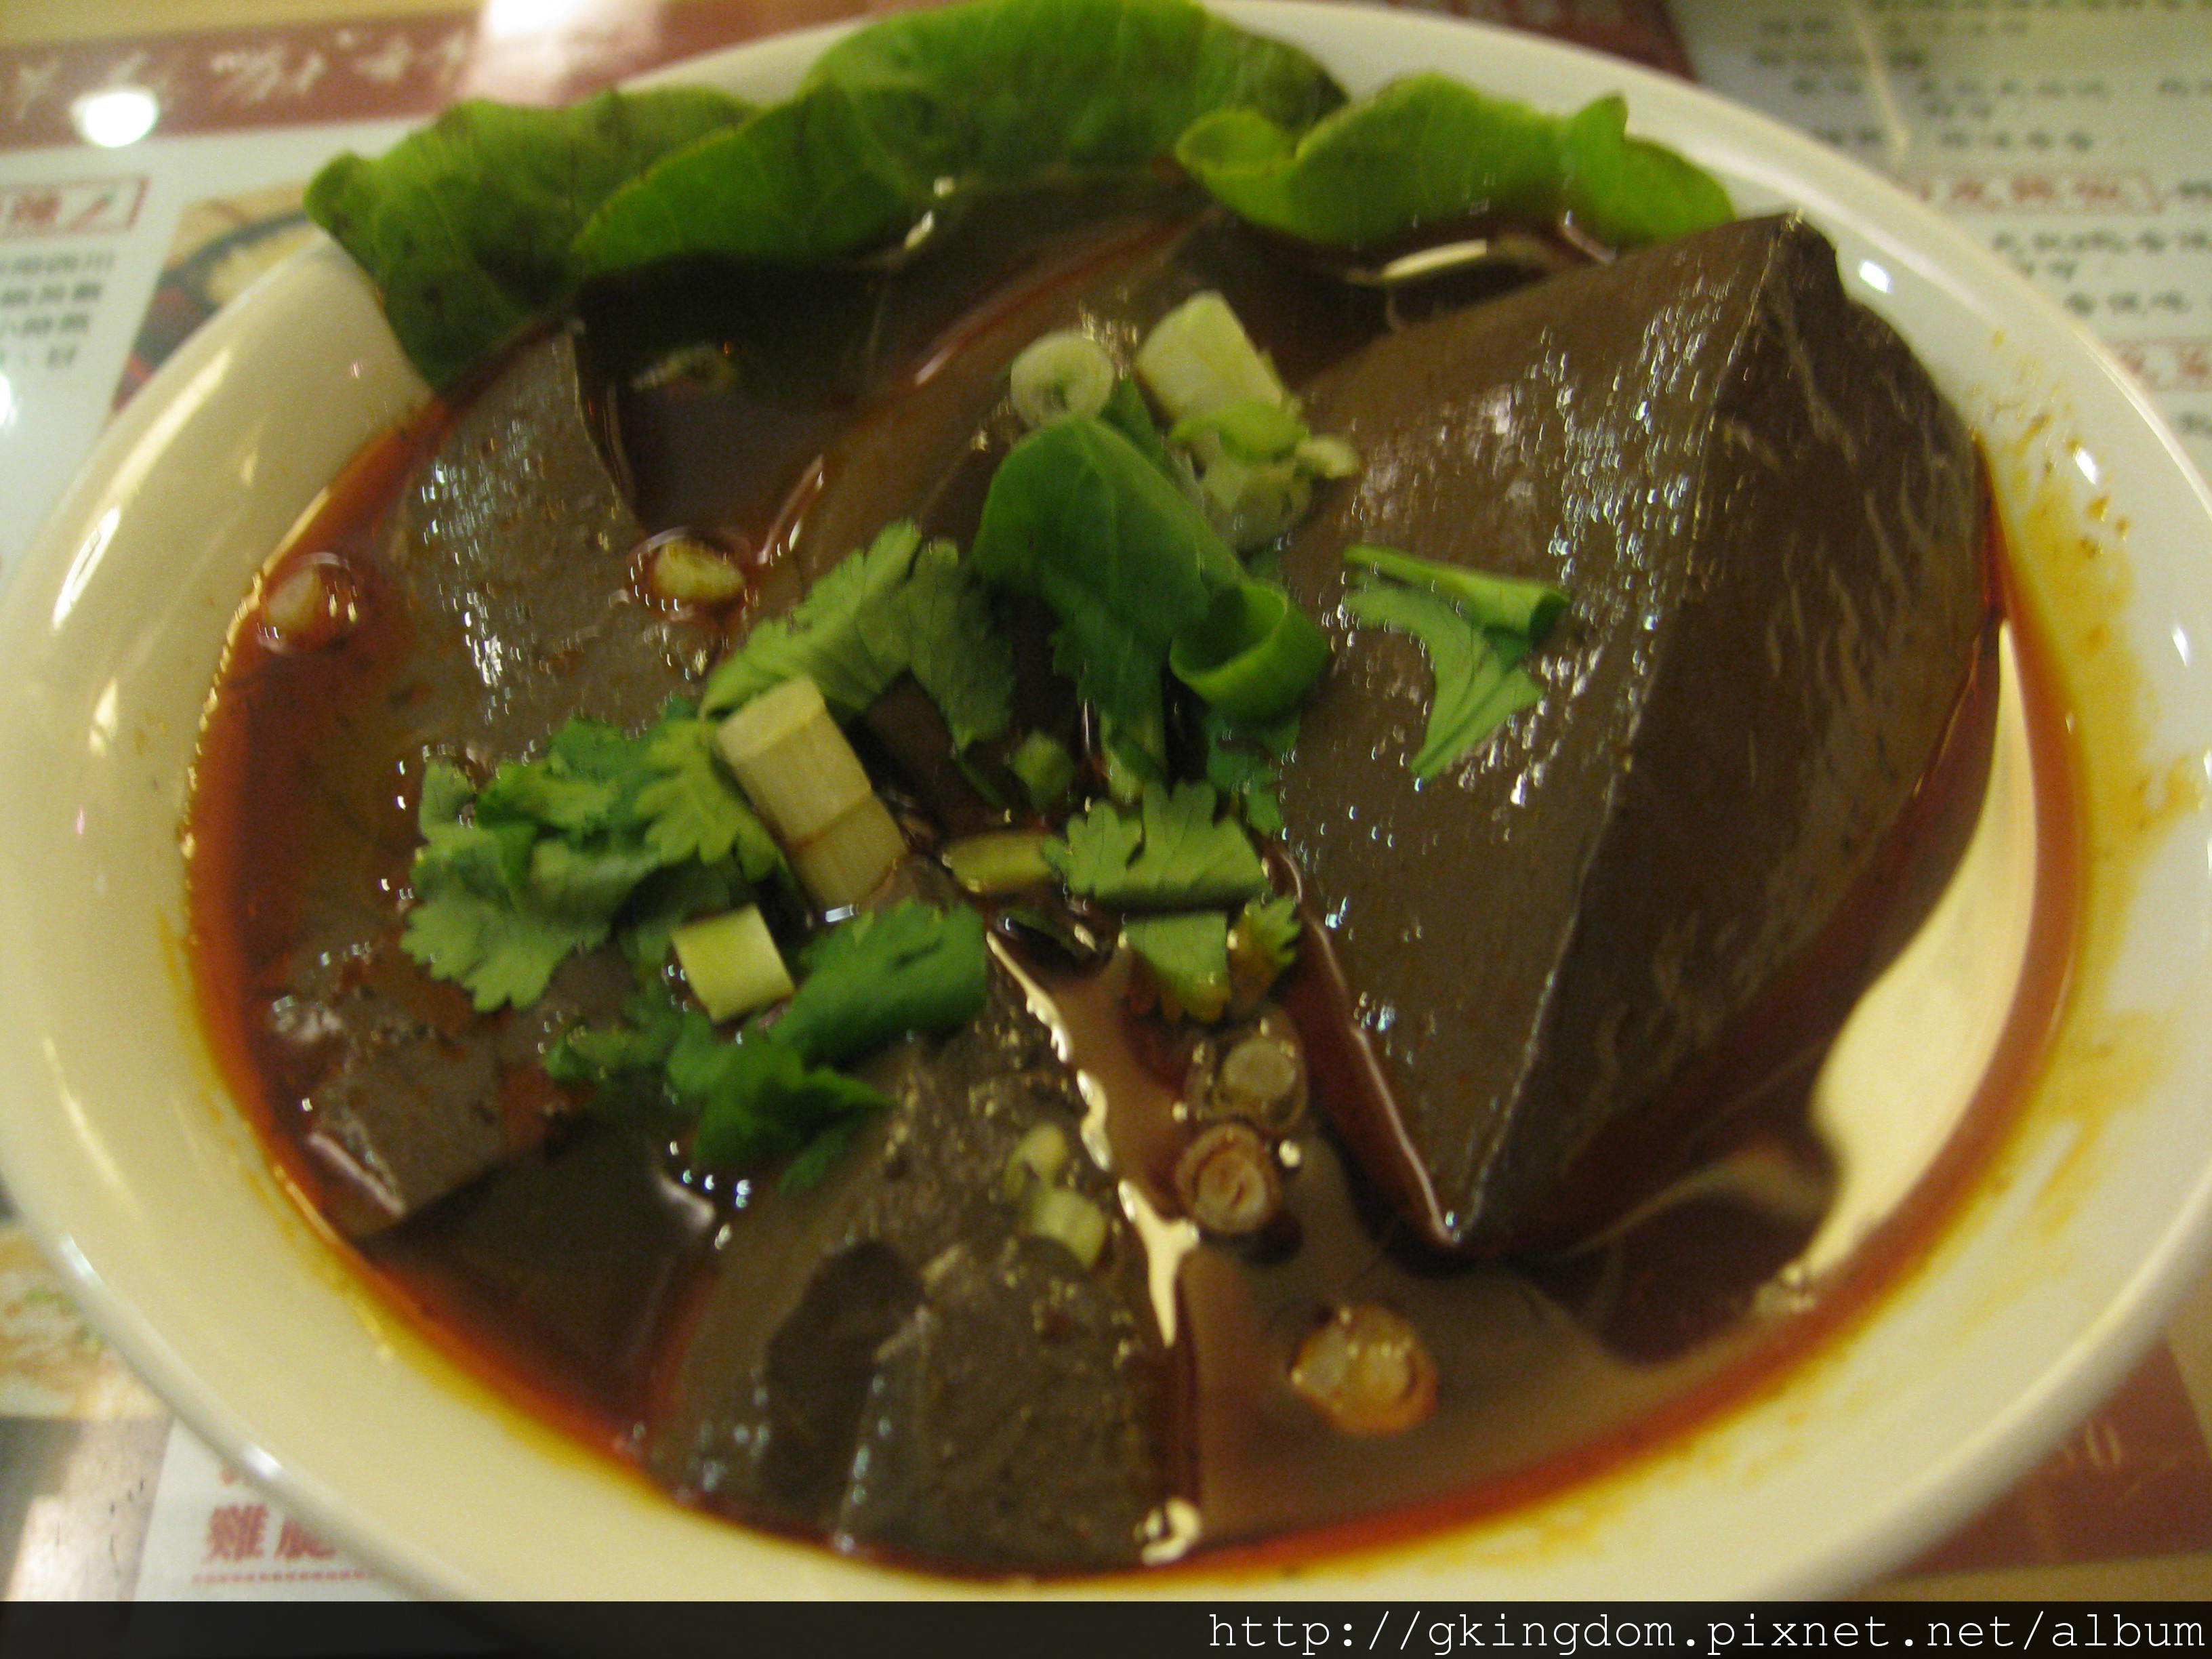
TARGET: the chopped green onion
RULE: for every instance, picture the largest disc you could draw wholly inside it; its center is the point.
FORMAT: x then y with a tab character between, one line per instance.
1198	359
1249	429
1036	1161
1069	1219
1060	377
999	861
1327	458
731	962
793	763
1253	654
1252	502
682	568
1516	603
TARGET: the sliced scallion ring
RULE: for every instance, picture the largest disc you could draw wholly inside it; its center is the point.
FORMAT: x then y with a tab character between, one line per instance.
1252	655
1060	377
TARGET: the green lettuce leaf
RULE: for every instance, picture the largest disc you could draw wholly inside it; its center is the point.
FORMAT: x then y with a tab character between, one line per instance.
466	225
987	94
1427	150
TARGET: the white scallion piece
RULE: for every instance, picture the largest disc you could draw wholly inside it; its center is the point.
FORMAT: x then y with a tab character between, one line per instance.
1059	377
1036	1161
804	780
1198	358
849	859
793	763
732	963
1069	1219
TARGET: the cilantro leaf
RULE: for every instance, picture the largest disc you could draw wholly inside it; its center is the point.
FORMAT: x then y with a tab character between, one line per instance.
693	810
468	923
1263	945
893	606
771	1093
546	858
1188	953
1241	762
762	1101
1478	684
961	657
603	1058
1172	853
1271	925
667	899
843	636
501	953
885	973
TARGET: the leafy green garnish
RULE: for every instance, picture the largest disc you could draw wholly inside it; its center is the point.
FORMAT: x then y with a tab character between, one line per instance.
758	1101
465	225
991	95
1127	413
1173	853
1477	683
1044	769
668	898
773	1092
897	606
1428	150
605	1058
541	861
483	221
885	973
1077	516
1519	605
1268	930
1242	762
1189	956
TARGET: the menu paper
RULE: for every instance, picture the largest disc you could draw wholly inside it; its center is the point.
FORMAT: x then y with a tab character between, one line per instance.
2073	137
214	1536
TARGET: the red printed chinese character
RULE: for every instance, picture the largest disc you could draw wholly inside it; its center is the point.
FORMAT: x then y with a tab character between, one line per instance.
234	1531
2035	190
34	210
296	1543
1967	192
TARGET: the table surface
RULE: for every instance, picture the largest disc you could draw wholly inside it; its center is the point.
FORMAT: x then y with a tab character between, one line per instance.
1987	107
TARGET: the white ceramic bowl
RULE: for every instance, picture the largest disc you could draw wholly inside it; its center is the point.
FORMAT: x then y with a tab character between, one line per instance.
143	1184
